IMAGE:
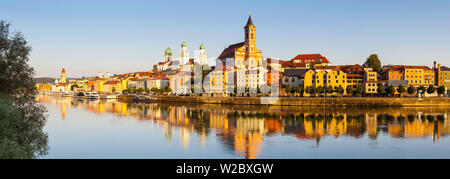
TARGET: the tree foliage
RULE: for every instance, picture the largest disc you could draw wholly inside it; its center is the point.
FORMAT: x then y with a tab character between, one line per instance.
431	89
374	62
21	118
441	90
390	90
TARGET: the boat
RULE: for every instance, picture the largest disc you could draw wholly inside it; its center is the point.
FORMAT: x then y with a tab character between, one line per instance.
79	95
92	95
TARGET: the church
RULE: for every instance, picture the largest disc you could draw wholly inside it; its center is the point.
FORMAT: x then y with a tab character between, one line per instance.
244	54
246	59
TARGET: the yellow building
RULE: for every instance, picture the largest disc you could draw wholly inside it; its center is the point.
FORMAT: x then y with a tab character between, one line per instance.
419	75
112	87
324	77
444	77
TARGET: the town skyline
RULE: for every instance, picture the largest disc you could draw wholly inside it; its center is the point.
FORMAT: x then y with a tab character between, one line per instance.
414	34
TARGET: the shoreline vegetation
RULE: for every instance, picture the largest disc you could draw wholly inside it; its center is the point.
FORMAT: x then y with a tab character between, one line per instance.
301	101
22	119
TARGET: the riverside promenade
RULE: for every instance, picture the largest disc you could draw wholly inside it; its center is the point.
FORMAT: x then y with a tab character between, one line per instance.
311	101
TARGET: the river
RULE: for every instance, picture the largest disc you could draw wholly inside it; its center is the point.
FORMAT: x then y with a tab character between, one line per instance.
112	129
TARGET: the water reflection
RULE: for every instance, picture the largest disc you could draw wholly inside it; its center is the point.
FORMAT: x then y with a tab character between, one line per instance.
242	129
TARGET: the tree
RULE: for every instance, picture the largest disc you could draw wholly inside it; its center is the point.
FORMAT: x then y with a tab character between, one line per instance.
310	90
168	89
329	90
140	90
147	90
380	90
300	90
340	90
21	118
411	89
422	89
441	90
73	87
359	90
431	89
349	90
154	90
391	90
320	90
401	90
374	62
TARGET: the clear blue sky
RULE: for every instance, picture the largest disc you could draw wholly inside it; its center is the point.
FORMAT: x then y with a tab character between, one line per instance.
88	36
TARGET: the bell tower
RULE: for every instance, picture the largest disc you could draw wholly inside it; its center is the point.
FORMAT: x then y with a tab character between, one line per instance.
63	76
250	42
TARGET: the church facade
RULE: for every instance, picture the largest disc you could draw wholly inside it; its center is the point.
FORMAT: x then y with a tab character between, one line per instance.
246	59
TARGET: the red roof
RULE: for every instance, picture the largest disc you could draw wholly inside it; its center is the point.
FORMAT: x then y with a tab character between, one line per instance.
313	57
111	82
286	64
63	70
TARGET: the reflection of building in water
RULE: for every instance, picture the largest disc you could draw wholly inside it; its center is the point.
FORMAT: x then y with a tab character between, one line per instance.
243	131
372	125
184	136
248	137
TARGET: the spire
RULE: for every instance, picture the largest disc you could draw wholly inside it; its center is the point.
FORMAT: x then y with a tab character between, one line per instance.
63	71
249	22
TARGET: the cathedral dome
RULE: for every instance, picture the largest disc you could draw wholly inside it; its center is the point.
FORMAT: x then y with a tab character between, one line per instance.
184	44
168	51
202	47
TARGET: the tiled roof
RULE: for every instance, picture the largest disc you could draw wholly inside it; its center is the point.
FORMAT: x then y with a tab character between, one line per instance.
111	82
229	51
287	64
314	57
295	72
444	68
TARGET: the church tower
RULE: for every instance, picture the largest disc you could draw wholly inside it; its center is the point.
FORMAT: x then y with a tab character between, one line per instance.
168	55
250	42
184	54
202	55
63	76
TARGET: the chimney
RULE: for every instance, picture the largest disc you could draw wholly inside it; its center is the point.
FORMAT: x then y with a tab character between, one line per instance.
434	67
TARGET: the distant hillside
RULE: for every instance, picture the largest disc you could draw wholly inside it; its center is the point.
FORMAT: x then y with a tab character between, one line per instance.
50	80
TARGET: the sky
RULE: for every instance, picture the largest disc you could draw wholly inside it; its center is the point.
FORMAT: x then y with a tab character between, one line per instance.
118	36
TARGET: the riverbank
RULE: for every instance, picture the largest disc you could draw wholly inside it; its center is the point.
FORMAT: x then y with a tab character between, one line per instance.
317	102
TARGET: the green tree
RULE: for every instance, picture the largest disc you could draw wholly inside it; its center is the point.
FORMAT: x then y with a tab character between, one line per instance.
380	90
319	90
401	90
140	90
441	90
147	90
349	90
374	62
390	90
422	89
359	90
73	87
340	90
21	118
411	89
329	90
310	90
154	90
168	90
300	90
431	89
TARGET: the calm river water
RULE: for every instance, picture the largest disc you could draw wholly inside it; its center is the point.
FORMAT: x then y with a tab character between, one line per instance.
111	129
